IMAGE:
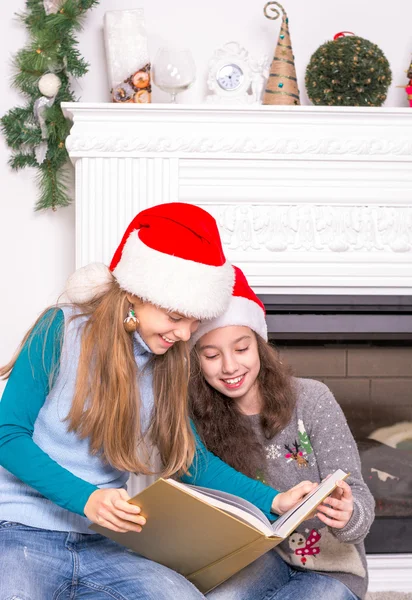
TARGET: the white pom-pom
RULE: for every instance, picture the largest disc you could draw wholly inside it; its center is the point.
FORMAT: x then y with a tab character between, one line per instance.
51	7
88	283
49	85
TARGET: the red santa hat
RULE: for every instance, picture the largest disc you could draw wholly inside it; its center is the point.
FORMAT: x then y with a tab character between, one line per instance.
244	309
171	255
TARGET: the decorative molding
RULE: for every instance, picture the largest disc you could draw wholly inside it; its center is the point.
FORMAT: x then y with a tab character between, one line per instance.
277	131
313	200
281	146
316	228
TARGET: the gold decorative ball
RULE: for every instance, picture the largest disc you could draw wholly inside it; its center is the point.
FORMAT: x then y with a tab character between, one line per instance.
130	325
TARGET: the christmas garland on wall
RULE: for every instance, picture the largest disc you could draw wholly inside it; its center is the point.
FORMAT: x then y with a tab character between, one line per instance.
36	133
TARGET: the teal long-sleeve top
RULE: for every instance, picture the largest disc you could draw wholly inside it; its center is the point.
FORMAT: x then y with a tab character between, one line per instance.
23	398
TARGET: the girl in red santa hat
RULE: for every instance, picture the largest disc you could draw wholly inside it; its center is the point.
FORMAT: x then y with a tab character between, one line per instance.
251	413
98	382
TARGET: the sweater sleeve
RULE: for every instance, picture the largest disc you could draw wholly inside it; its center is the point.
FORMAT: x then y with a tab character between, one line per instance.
335	448
23	397
210	471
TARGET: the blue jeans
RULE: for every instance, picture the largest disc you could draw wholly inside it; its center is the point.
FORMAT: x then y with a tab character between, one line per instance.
36	564
271	578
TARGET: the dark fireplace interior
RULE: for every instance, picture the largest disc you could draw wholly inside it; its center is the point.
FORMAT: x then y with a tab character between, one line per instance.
361	347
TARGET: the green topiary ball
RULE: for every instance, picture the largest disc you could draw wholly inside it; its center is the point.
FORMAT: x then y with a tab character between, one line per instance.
348	71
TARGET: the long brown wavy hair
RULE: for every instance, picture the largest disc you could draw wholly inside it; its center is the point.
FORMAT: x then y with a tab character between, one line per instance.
106	403
224	429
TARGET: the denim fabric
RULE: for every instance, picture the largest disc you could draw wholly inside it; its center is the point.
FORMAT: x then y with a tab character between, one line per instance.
271	578
37	564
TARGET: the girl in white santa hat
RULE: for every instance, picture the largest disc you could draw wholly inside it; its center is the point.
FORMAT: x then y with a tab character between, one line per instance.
97	382
251	413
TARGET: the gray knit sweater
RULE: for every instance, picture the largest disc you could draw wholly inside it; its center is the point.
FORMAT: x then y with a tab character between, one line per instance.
326	443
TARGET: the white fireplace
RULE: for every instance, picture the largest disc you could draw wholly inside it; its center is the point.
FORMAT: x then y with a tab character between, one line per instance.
309	200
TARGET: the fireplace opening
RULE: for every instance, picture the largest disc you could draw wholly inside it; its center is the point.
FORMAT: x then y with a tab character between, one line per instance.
361	348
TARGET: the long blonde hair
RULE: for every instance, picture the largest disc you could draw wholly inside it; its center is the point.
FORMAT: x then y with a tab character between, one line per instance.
106	403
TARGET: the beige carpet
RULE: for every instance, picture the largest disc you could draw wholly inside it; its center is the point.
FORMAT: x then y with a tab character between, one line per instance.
388	596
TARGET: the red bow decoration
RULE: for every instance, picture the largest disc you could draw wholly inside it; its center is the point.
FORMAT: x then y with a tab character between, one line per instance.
342	34
309	549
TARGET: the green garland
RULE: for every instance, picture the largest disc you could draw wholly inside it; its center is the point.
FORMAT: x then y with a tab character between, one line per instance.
348	71
52	48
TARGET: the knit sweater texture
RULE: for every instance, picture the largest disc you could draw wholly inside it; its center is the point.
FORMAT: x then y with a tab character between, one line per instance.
319	428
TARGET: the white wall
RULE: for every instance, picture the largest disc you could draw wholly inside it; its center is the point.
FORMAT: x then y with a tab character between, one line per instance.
37	250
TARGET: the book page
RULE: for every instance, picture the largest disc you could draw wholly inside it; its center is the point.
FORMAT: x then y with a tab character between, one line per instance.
233	500
238	507
292	518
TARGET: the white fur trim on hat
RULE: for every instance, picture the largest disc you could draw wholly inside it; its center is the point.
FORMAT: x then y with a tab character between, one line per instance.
241	311
87	283
188	287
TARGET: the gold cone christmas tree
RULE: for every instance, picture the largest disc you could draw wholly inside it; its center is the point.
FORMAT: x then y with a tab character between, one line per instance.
282	84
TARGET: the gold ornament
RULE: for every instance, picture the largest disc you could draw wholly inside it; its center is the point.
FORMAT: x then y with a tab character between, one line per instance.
131	322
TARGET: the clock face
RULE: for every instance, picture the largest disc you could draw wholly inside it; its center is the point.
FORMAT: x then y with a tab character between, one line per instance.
230	77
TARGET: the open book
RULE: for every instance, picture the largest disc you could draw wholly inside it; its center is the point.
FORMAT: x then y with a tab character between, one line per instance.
208	535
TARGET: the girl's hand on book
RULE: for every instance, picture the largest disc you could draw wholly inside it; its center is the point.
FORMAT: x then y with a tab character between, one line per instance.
337	509
109	508
287	500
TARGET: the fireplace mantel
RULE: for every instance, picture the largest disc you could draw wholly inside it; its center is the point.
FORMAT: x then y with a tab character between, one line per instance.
308	199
